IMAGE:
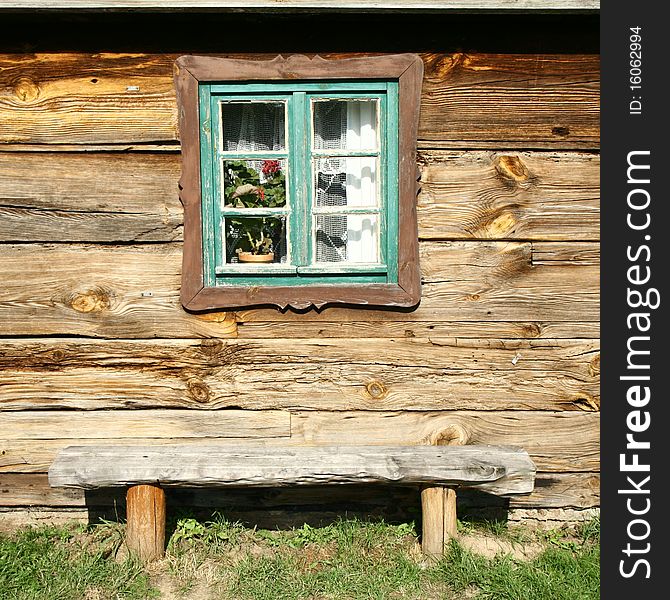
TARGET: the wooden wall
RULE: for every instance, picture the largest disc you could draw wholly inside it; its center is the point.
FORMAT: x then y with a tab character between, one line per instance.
503	349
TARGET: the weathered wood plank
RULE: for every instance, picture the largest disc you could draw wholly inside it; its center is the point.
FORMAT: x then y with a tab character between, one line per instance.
100	291
556	441
552	490
511	195
338	374
132	291
473	97
544	435
562	490
77	98
107	197
568	253
114	98
418	328
354	6
498	470
503	278
127	424
95	197
467	281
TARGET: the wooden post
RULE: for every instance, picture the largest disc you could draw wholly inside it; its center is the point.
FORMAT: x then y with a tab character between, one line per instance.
438	516
145	511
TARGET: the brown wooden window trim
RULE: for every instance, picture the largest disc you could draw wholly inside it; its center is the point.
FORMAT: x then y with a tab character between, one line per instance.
407	69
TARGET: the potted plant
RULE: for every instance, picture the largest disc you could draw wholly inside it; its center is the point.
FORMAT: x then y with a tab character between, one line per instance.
245	187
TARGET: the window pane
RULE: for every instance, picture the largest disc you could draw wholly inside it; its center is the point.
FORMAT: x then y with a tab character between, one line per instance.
346	181
258	236
345	125
347	238
254	183
253	126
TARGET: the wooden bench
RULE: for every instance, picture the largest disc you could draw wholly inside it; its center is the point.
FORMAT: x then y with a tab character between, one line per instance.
439	470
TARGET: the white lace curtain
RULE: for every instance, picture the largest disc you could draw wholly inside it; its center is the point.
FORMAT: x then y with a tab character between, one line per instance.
347	182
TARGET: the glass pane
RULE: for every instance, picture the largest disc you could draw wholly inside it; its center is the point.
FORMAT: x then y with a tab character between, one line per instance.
254	183
347	238
346	181
253	126
345	125
255	240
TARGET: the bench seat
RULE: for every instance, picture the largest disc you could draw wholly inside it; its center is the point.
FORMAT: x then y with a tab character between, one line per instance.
146	470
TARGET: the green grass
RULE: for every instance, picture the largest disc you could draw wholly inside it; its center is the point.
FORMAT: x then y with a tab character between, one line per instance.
346	560
52	563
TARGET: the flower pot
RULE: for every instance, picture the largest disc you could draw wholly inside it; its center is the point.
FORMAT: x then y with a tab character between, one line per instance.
248	257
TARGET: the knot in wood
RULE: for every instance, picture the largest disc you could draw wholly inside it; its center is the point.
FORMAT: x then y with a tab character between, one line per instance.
531	330
500	225
376	390
511	168
452	435
214	317
561	131
594	366
26	90
93	300
211	347
587	403
198	390
57	355
439	65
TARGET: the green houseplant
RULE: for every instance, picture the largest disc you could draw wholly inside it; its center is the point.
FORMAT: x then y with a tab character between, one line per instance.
245	187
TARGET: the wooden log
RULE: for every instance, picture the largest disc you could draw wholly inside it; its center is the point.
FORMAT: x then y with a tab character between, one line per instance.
496	469
484	97
438	518
128	424
363	374
566	253
552	490
100	291
352	6
467	99
464	195
556	441
145	512
90	197
510	195
477	281
293	329
132	291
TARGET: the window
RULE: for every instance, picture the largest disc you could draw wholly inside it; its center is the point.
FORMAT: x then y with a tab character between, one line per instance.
299	181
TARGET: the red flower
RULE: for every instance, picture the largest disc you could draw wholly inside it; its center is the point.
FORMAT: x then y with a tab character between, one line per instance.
261	192
271	168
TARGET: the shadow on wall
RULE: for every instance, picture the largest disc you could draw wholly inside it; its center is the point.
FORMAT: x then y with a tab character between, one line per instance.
330	32
288	508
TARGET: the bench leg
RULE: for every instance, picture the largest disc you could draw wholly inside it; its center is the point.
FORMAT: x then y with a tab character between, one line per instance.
145	513
438	515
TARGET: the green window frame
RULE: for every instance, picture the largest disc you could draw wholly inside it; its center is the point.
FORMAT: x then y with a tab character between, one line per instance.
300	157
385	272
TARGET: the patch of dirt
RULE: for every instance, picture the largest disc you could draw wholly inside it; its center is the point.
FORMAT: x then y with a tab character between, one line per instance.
490	546
204	583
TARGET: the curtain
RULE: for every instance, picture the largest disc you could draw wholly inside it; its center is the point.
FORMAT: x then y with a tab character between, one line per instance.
346	182
361	186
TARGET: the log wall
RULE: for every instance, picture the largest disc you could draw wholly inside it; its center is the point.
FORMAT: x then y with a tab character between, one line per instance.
95	347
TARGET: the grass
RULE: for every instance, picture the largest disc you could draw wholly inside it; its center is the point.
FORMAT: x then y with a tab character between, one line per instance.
346	560
55	563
